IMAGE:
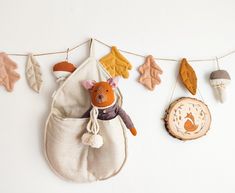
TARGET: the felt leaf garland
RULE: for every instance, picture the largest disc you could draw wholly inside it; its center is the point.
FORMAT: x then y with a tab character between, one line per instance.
188	76
116	64
33	73
8	76
150	72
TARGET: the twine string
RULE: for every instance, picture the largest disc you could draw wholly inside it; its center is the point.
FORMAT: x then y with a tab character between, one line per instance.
174	88
52	53
121	50
167	59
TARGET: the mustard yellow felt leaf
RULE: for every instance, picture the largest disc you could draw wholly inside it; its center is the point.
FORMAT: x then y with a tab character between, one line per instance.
149	73
116	64
188	76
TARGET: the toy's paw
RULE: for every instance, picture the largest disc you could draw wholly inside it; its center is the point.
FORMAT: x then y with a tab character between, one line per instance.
133	131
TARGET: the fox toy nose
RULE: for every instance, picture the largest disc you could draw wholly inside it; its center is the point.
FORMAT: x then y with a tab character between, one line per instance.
100	96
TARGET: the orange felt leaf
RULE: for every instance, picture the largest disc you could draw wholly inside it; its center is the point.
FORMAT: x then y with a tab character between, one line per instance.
188	76
116	64
150	72
8	76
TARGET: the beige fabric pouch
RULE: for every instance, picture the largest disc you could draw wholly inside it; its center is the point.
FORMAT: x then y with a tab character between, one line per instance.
64	151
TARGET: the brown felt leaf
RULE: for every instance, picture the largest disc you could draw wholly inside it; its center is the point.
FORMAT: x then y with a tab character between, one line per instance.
8	75
188	76
116	64
149	73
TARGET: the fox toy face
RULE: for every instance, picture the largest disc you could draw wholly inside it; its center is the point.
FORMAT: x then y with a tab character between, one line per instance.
102	93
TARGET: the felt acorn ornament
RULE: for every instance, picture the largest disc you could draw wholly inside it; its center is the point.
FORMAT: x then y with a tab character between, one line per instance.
63	69
219	80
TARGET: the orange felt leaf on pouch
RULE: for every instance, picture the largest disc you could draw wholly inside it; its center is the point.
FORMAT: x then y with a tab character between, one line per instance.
116	64
150	72
188	76
8	75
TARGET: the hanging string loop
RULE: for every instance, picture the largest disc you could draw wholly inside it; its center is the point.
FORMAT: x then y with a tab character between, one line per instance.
67	55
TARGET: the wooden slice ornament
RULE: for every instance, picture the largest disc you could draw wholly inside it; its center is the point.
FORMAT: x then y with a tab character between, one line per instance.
187	118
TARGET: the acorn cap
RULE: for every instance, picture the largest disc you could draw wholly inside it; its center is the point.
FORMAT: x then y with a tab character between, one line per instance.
64	66
220	74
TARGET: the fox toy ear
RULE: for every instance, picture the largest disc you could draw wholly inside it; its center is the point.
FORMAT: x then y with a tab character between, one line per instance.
88	84
113	81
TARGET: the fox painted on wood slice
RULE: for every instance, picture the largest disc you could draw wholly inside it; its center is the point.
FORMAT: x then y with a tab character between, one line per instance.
190	125
103	97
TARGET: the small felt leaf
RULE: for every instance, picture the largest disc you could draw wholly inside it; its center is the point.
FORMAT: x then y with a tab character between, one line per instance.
149	73
33	73
188	76
116	64
8	76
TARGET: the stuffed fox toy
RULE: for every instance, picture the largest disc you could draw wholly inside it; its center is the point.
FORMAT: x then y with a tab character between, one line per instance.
103	106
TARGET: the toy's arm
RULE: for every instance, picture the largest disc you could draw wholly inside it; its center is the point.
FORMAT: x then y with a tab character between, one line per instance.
127	120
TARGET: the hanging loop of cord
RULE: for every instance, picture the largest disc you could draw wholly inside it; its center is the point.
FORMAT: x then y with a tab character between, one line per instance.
174	89
217	63
93	125
67	55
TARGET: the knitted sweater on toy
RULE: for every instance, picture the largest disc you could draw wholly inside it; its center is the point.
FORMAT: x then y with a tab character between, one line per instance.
112	112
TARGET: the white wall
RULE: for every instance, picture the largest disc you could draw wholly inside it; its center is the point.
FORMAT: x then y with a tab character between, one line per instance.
157	162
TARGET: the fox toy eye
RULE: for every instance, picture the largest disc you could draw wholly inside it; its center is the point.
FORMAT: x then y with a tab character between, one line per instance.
107	90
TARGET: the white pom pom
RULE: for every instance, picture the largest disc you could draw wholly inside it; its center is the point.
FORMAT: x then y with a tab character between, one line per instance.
86	138
96	141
